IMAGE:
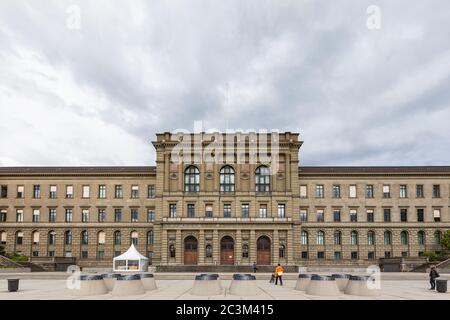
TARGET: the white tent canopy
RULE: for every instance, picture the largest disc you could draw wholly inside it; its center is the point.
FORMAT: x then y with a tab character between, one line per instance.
131	260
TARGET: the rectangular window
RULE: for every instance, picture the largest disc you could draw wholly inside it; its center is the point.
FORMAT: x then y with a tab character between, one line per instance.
52	192
420	215
35	253
371	255
84	254
69	215
69	192
118	191
404	254
303	191
102	191
337	215
51	253
403	191
52	215
101	215
117	215
387	214
85	215
36	215
281	211
369	191
134	192
208	211
303	215
320	255
354	255
4	191
437	215
86	192
150	215
20	192
36	191
3	215
245	210
386	191
304	254
19	215
387	254
436	191
319	191
172	210
353	215
352	191
263	211
403	215
134	215
101	255
191	210
151	191
336	191
320	215
370	217
227	210
337	255
419	191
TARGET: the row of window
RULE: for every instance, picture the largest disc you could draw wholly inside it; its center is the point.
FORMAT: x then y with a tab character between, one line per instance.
85	215
354	237
85	191
387	215
84	237
354	255
369	191
245	210
84	254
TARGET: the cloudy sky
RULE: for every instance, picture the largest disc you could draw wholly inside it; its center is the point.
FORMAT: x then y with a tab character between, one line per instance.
97	94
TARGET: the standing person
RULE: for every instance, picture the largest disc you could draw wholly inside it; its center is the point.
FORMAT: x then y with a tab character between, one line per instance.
433	275
278	274
254	267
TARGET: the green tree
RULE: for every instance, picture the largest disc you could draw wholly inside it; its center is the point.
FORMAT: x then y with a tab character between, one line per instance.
445	241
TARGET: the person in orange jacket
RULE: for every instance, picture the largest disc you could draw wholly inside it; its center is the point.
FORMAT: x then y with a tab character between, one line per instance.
278	274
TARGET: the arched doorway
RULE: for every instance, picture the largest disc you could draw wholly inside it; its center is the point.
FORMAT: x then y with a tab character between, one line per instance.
263	250
190	250
227	250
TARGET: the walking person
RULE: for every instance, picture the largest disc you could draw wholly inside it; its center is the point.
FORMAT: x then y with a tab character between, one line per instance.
254	267
433	275
279	274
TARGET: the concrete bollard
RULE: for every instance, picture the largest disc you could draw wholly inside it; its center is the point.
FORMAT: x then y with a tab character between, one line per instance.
148	281
341	280
206	285
244	285
91	285
358	286
110	279
303	281
322	286
128	285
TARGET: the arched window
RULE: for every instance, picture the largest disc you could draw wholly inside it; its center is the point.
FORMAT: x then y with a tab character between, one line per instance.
421	238
370	238
117	237
191	179
227	179
245	250
68	237
354	238
2	237
262	179
404	238
304	238
172	251
387	238
19	237
282	251
134	237
52	238
337	237
209	251
35	236
84	237
320	237
437	237
150	237
101	237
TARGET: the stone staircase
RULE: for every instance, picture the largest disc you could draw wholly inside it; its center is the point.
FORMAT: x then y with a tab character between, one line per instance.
443	266
8	263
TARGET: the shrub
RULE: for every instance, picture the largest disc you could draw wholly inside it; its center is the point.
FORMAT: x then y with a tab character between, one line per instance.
2	251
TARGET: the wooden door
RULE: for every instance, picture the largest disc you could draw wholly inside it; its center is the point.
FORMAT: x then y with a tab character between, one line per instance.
227	251
263	251
190	251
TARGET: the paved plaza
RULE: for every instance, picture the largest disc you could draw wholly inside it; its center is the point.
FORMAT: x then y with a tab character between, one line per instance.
177	286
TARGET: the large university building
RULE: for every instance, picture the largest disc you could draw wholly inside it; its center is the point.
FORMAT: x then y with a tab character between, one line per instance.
231	213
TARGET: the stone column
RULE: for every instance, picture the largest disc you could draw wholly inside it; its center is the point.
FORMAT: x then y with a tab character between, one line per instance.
275	246
201	247
164	247
252	246
238	247
216	247
178	246
290	247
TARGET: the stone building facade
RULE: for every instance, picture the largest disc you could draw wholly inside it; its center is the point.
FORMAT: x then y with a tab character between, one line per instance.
229	213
